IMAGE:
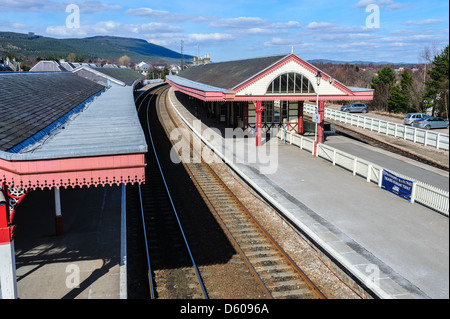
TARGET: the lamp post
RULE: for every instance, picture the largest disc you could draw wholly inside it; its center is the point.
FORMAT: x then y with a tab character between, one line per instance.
318	79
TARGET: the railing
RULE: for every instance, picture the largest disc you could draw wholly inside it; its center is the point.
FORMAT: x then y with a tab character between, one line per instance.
416	135
424	194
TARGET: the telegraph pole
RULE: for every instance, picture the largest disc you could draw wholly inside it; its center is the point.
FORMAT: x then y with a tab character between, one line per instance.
182	56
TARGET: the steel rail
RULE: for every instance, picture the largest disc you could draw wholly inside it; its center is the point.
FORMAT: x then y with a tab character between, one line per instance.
213	209
149	268
160	90
258	225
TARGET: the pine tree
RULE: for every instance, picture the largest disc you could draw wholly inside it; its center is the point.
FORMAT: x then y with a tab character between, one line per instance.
397	102
382	84
437	93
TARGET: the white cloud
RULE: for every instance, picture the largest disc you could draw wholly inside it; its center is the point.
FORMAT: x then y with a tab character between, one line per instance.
114	28
320	25
89	6
275	42
240	22
209	37
423	22
388	4
165	16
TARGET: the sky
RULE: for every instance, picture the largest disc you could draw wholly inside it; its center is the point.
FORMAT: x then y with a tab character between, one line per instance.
351	30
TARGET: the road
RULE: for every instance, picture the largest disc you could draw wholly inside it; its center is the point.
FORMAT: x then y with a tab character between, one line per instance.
386	118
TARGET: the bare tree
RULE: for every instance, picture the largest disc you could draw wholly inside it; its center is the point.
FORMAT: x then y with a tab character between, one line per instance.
124	60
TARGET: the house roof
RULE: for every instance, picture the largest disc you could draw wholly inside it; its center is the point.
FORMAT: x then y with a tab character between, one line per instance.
30	103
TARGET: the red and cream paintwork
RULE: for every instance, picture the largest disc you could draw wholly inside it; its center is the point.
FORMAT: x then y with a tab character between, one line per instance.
254	90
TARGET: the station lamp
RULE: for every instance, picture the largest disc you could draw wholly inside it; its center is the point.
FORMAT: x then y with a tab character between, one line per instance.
318	78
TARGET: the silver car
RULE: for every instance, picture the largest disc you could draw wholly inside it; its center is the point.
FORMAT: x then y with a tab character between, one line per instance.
411	117
355	107
430	122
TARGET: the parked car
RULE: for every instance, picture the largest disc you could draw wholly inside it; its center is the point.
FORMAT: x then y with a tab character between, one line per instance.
355	107
430	122
411	117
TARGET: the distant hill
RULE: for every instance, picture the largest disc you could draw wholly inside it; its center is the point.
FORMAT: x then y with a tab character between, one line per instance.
31	46
325	61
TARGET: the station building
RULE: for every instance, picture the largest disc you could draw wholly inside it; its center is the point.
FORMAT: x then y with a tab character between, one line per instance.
64	129
263	93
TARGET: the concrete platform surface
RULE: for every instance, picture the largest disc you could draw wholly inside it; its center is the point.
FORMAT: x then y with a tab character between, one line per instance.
83	262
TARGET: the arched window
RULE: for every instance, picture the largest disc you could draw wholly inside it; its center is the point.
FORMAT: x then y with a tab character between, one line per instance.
293	83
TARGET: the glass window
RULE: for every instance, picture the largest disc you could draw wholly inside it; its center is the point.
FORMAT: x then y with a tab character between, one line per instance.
276	111
298	83
305	85
290	83
276	85
267	114
284	109
283	81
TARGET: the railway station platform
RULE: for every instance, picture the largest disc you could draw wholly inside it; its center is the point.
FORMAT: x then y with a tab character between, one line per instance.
400	249
362	225
82	263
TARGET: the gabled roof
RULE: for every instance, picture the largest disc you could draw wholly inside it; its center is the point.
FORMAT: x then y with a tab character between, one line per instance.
31	102
124	77
248	80
227	75
48	66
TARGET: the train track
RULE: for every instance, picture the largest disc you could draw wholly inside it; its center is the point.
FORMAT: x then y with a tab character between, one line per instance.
268	263
201	241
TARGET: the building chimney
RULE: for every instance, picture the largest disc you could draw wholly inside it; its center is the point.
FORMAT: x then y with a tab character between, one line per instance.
207	59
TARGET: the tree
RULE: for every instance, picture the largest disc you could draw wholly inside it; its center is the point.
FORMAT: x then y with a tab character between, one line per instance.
437	93
407	91
386	76
382	84
124	60
165	72
71	57
397	101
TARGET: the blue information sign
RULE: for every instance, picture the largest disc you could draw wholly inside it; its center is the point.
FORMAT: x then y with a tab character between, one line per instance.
397	185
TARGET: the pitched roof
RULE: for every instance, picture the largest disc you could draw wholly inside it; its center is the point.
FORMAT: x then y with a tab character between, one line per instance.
48	66
230	74
127	76
31	103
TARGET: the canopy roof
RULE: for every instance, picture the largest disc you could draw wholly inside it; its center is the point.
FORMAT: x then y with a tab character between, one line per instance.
70	131
31	102
249	79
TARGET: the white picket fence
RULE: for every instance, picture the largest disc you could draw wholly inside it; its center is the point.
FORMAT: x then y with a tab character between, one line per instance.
416	135
422	193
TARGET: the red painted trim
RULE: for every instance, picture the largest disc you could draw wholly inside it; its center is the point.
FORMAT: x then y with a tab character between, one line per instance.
289	58
7	211
114	169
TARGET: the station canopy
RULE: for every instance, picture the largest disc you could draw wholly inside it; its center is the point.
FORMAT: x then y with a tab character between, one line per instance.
59	129
285	78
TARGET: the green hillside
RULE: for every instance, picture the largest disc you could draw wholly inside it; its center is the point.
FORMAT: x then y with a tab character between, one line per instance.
23	46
